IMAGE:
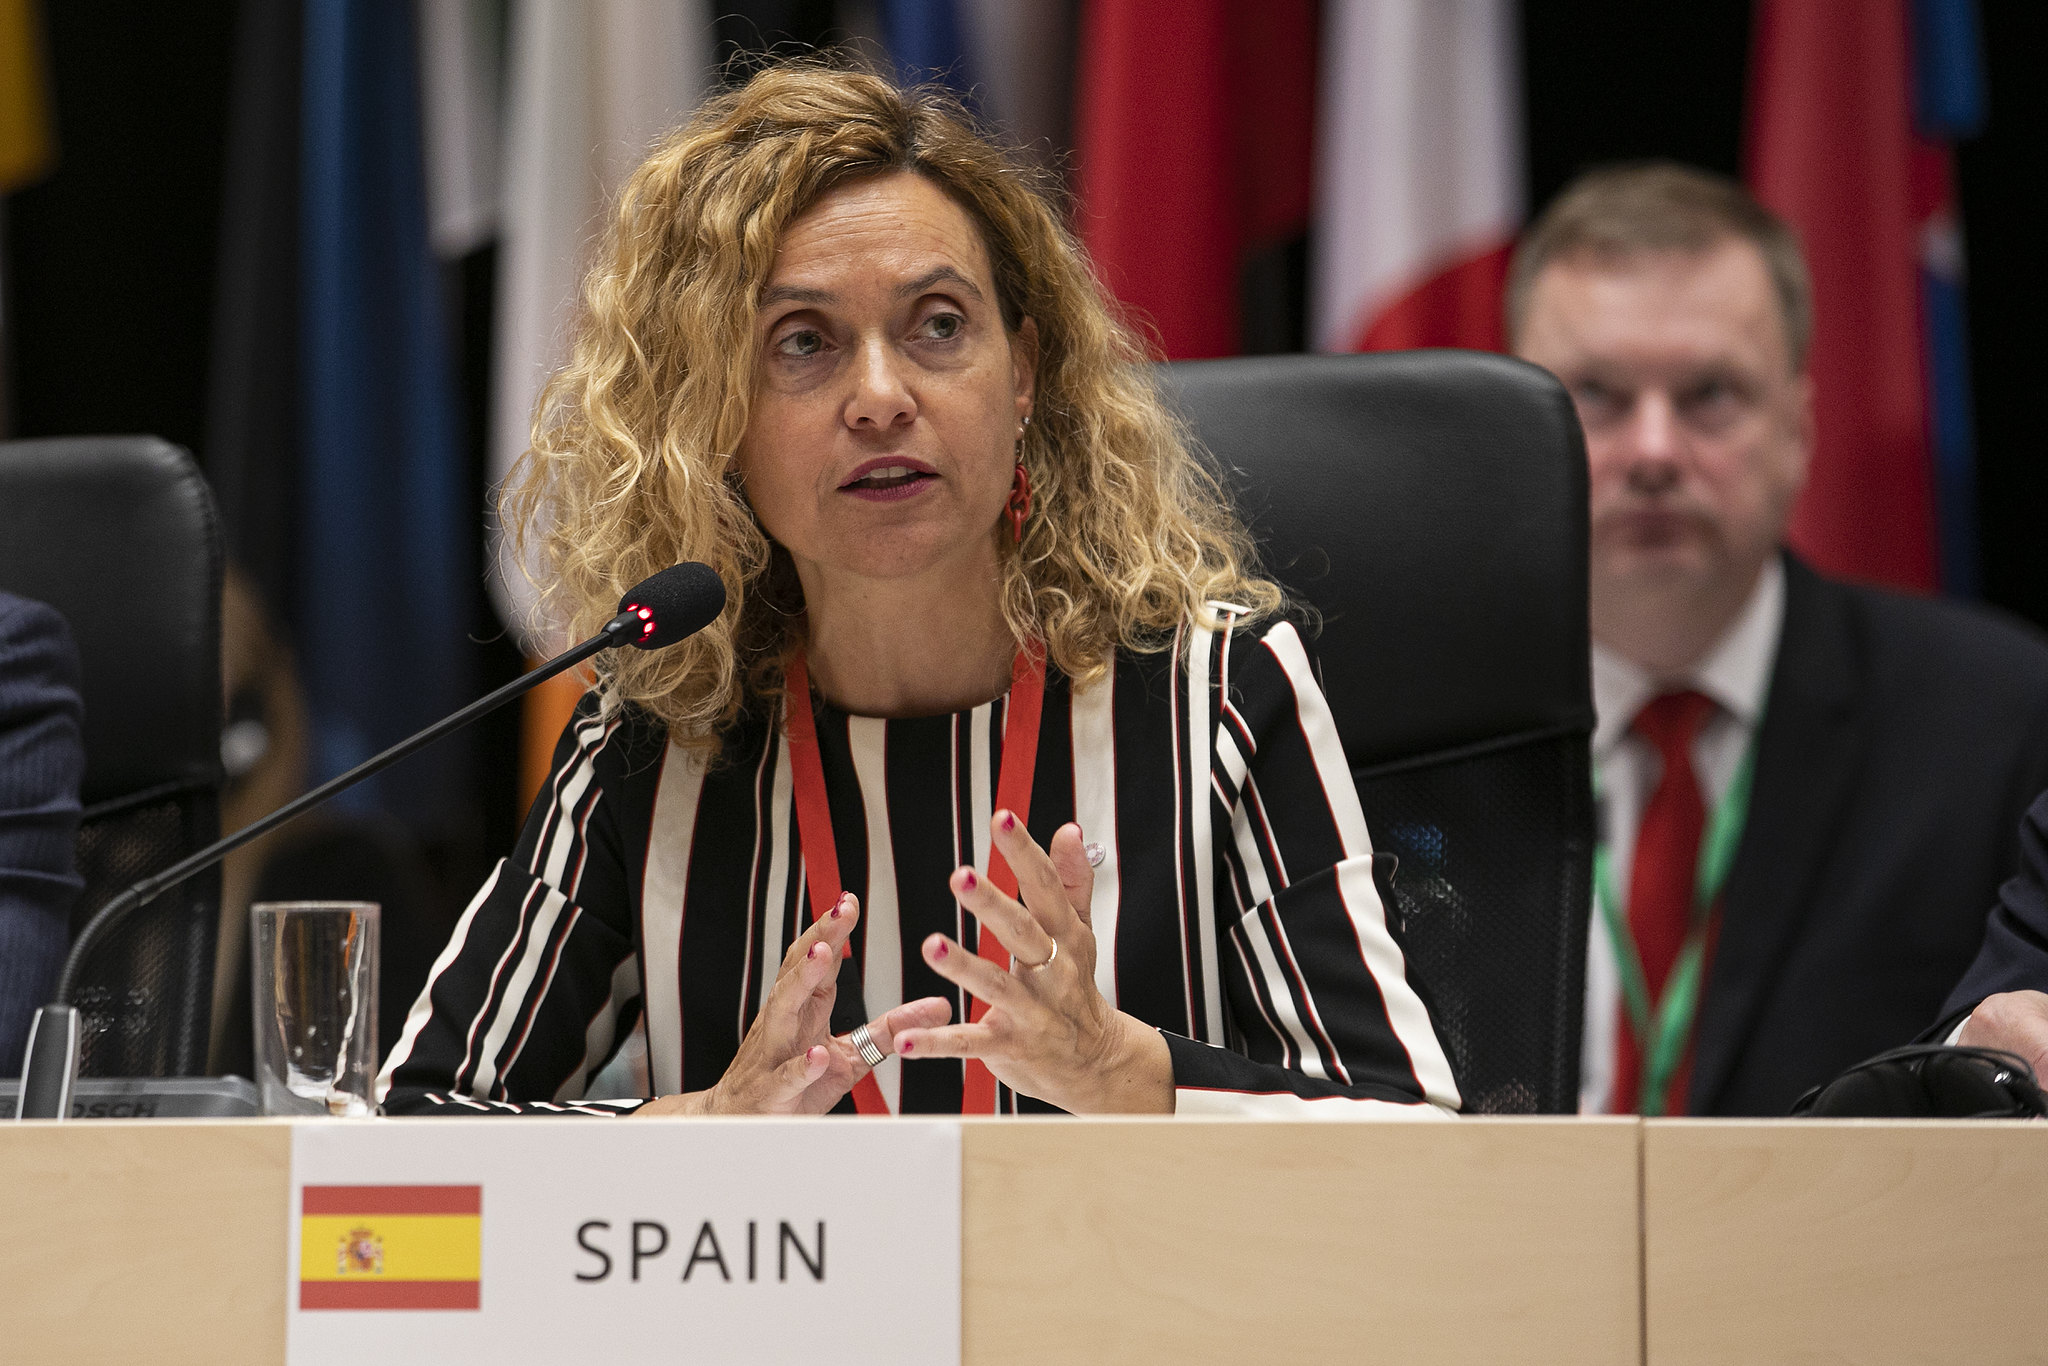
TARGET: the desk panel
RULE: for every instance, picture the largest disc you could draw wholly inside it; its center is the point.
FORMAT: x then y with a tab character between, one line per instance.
156	1240
1198	1240
1845	1241
1483	1240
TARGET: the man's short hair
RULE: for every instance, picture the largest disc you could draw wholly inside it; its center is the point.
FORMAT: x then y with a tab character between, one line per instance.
1616	212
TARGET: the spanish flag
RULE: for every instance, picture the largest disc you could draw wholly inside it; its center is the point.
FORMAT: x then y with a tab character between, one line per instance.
390	1247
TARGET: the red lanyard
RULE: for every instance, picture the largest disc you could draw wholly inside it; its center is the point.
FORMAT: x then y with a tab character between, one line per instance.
821	855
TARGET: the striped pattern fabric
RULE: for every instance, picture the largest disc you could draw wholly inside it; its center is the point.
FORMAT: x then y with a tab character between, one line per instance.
625	947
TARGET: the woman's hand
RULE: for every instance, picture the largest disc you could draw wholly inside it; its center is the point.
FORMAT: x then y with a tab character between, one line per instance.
1048	1032
791	1063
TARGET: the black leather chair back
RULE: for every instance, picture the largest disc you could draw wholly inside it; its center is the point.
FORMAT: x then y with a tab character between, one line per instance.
119	535
1432	507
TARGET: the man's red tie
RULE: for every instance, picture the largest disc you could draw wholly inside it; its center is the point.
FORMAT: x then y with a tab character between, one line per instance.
1660	883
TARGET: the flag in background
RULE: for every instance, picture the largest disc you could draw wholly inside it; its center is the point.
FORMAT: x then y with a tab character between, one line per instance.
1013	62
1830	147
589	90
1192	154
1022	58
27	145
1949	102
1421	185
462	78
1154	193
383	583
1193	132
927	42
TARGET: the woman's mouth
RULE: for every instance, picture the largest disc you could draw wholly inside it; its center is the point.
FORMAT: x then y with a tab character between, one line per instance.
888	482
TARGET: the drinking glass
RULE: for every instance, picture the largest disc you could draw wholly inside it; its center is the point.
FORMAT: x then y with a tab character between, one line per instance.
314	967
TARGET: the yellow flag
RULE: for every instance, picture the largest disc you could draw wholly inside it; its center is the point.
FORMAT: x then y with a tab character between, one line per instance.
27	146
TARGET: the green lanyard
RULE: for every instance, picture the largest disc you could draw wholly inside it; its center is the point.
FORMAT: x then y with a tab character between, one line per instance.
1666	1036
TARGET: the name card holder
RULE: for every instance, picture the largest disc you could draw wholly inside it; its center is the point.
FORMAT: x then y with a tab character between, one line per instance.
741	1240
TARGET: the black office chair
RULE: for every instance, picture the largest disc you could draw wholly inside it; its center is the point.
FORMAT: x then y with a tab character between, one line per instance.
119	534
1431	505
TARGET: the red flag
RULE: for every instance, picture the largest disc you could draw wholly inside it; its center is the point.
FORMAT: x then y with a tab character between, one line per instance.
1830	147
1193	148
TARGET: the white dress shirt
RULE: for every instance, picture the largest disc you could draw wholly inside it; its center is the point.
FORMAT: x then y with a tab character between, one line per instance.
1736	674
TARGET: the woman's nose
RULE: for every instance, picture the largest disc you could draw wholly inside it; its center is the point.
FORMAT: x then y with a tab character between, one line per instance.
881	399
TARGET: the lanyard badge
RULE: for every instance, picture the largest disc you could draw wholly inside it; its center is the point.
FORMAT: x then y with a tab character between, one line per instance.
821	855
1664	1030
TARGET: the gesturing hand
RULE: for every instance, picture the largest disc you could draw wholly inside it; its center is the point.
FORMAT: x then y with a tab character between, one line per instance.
1048	1032
791	1062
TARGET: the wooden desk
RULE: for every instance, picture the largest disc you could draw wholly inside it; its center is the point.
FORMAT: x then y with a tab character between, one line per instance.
1238	1241
1847	1241
1213	1240
143	1240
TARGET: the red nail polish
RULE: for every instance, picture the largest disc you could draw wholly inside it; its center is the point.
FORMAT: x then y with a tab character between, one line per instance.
1009	821
838	907
941	950
968	880
906	1046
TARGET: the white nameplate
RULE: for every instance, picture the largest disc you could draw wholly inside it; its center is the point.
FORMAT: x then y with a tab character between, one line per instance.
630	1240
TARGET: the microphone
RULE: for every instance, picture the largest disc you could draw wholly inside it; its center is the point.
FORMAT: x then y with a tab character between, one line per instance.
656	612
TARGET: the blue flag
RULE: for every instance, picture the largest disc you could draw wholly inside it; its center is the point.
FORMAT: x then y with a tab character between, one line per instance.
1949	106
925	41
384	583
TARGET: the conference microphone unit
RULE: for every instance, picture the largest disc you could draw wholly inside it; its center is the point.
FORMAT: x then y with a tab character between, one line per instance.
658	611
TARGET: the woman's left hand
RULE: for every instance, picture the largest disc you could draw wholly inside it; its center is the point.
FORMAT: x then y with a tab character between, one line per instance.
1048	1032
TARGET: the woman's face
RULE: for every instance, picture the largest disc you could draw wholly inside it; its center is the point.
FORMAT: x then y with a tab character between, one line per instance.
889	396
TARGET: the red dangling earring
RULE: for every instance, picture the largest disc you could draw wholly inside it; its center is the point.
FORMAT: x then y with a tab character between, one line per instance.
1019	506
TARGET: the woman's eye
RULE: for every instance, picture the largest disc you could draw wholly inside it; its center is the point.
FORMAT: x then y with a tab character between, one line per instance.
944	326
801	343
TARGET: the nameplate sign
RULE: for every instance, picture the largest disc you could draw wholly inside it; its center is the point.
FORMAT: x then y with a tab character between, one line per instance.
635	1240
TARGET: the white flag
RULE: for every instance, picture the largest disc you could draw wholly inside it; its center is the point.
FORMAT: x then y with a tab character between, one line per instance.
1420	184
593	84
462	63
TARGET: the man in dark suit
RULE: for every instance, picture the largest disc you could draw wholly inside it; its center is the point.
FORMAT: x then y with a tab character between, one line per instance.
42	760
1808	788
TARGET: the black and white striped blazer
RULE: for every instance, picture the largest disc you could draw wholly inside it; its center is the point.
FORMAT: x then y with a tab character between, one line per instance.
624	948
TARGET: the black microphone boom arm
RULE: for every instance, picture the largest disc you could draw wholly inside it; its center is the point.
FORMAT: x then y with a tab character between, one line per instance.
150	888
661	610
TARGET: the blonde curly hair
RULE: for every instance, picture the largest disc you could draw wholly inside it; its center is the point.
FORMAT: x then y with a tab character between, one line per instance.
631	468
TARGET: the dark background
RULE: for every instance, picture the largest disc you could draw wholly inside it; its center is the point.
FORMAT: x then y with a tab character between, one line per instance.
111	261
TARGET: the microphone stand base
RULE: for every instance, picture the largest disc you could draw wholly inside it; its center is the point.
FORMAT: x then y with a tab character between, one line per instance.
49	1069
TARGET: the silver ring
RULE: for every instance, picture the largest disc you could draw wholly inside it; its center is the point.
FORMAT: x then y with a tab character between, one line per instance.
1050	959
864	1043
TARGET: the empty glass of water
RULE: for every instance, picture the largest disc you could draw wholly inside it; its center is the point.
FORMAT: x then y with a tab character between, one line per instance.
314	967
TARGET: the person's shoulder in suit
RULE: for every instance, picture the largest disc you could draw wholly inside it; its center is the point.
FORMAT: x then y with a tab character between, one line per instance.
1944	653
1902	739
42	762
1954	706
1944	637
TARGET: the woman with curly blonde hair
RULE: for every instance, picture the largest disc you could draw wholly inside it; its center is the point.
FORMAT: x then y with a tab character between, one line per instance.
995	657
